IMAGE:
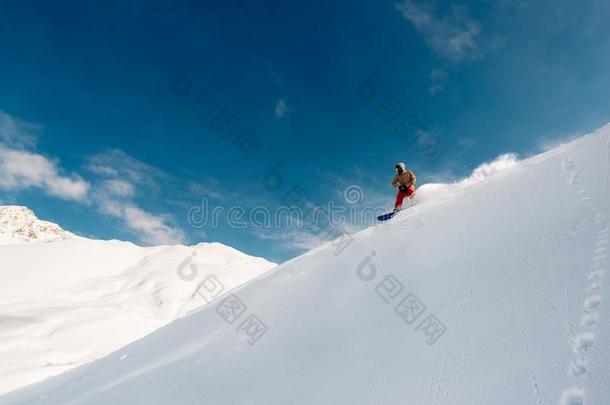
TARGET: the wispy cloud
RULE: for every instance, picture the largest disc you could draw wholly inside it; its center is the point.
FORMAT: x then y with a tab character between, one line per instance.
119	188
121	178
21	168
115	181
15	133
281	108
454	36
118	165
151	229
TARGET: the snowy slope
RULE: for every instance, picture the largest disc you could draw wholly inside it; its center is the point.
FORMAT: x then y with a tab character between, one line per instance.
514	265
70	301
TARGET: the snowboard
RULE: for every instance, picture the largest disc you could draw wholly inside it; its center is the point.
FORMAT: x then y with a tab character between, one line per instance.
385	217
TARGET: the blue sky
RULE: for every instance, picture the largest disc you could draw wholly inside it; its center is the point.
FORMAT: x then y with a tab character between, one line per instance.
97	134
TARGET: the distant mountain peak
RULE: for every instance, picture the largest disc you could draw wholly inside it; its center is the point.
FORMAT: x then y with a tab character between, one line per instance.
20	224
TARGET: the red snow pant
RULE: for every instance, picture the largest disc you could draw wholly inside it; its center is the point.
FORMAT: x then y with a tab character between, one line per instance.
402	194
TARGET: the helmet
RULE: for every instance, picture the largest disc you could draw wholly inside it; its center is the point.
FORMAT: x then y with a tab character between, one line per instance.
401	165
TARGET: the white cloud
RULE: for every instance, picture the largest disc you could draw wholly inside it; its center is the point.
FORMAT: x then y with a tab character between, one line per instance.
152	229
15	133
120	188
20	169
281	108
454	36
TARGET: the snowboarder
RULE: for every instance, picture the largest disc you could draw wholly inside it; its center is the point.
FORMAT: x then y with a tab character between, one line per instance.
404	181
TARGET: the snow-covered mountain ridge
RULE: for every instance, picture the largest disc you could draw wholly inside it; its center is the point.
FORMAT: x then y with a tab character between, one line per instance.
20	225
66	300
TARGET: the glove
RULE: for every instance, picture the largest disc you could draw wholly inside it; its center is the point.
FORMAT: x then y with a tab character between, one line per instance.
403	188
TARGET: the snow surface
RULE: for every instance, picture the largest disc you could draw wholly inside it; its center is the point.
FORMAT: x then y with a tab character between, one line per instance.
67	302
513	264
